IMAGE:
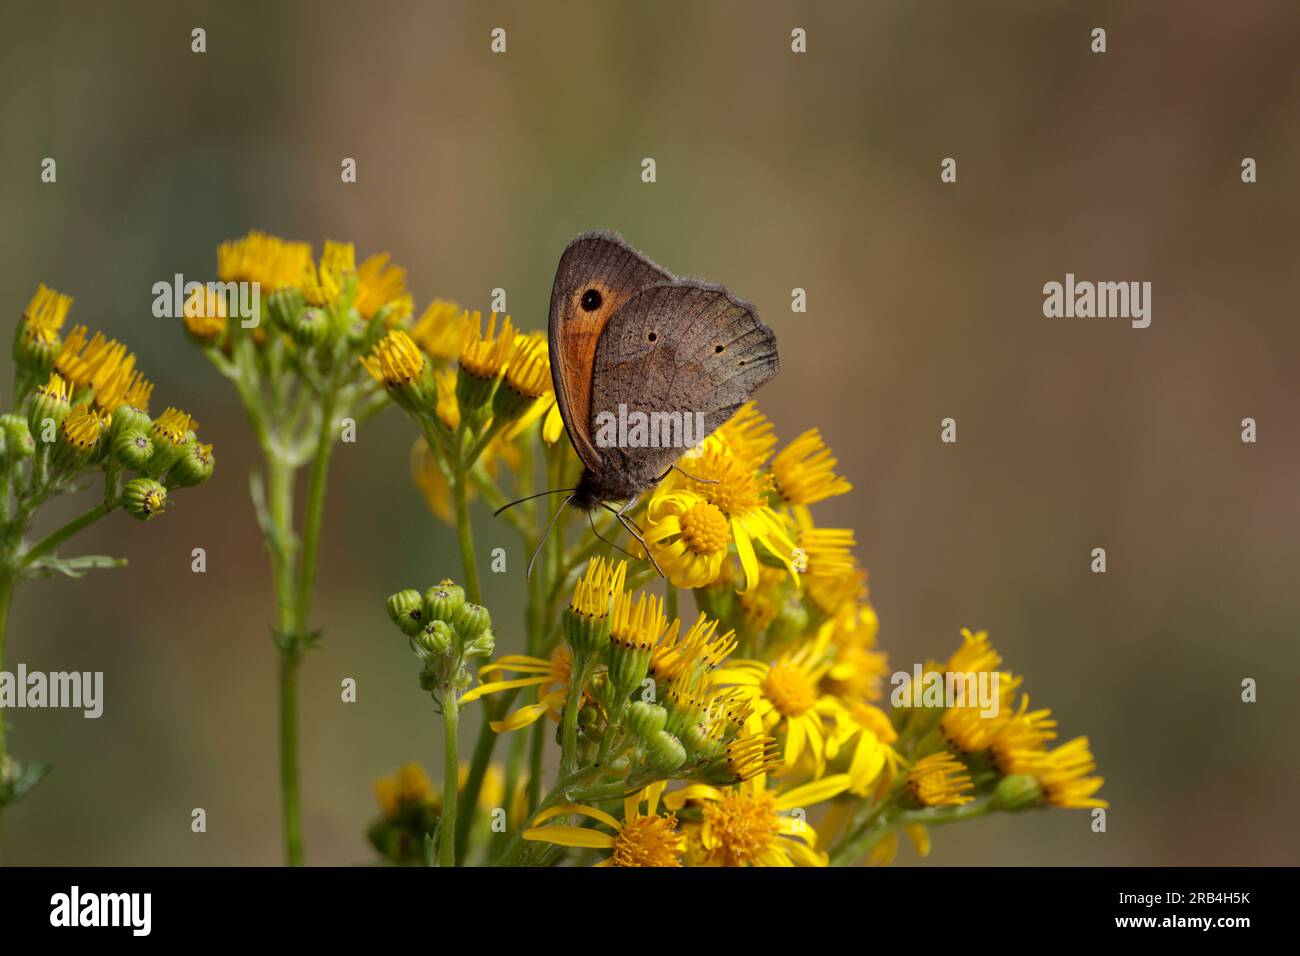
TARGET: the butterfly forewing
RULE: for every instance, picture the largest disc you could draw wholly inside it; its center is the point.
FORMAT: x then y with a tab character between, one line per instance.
673	351
597	275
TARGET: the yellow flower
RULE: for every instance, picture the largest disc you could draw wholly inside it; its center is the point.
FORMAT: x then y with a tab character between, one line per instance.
395	360
748	435
750	825
267	260
595	591
975	654
676	656
1063	774
803	472
731	483
527	379
639	839
857	670
82	427
441	329
321	286
408	787
380	284
45	314
124	387
91	363
484	354
204	314
939	780
550	677
1022	732
786	696
173	427
687	537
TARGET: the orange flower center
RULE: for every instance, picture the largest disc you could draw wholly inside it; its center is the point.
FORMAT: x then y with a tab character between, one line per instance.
649	841
705	529
789	688
740	828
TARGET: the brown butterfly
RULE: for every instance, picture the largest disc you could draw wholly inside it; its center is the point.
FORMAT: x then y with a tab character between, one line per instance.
629	337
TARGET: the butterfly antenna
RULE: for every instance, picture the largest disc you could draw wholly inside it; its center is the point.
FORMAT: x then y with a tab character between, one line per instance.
592	521
533	559
540	494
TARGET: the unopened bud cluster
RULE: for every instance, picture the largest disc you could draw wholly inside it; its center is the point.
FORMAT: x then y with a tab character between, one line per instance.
446	632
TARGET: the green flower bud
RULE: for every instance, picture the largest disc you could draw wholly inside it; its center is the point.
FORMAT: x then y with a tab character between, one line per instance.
170	433
699	744
790	623
144	498
128	418
36	339
471	620
310	327
194	466
78	439
18	438
437	637
283	306
35	354
1019	791
132	449
586	635
49	404
406	611
442	601
482	646
646	720
665	751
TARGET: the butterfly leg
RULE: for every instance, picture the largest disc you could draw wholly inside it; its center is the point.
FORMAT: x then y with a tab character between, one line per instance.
592	521
627	523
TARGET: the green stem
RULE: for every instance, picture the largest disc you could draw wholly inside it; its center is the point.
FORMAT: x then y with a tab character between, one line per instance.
450	779
569	722
315	510
483	747
56	538
670	601
280	507
465	535
292	801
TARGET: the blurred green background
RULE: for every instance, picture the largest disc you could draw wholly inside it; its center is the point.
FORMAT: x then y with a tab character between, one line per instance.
775	171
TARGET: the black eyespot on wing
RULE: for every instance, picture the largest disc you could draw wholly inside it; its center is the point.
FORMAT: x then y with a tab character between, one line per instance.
717	348
653	336
591	300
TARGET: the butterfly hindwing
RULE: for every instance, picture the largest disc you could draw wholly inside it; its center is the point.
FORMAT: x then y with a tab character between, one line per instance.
598	273
676	349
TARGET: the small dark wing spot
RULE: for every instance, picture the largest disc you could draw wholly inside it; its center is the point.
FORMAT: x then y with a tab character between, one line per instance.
652	336
591	300
717	348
